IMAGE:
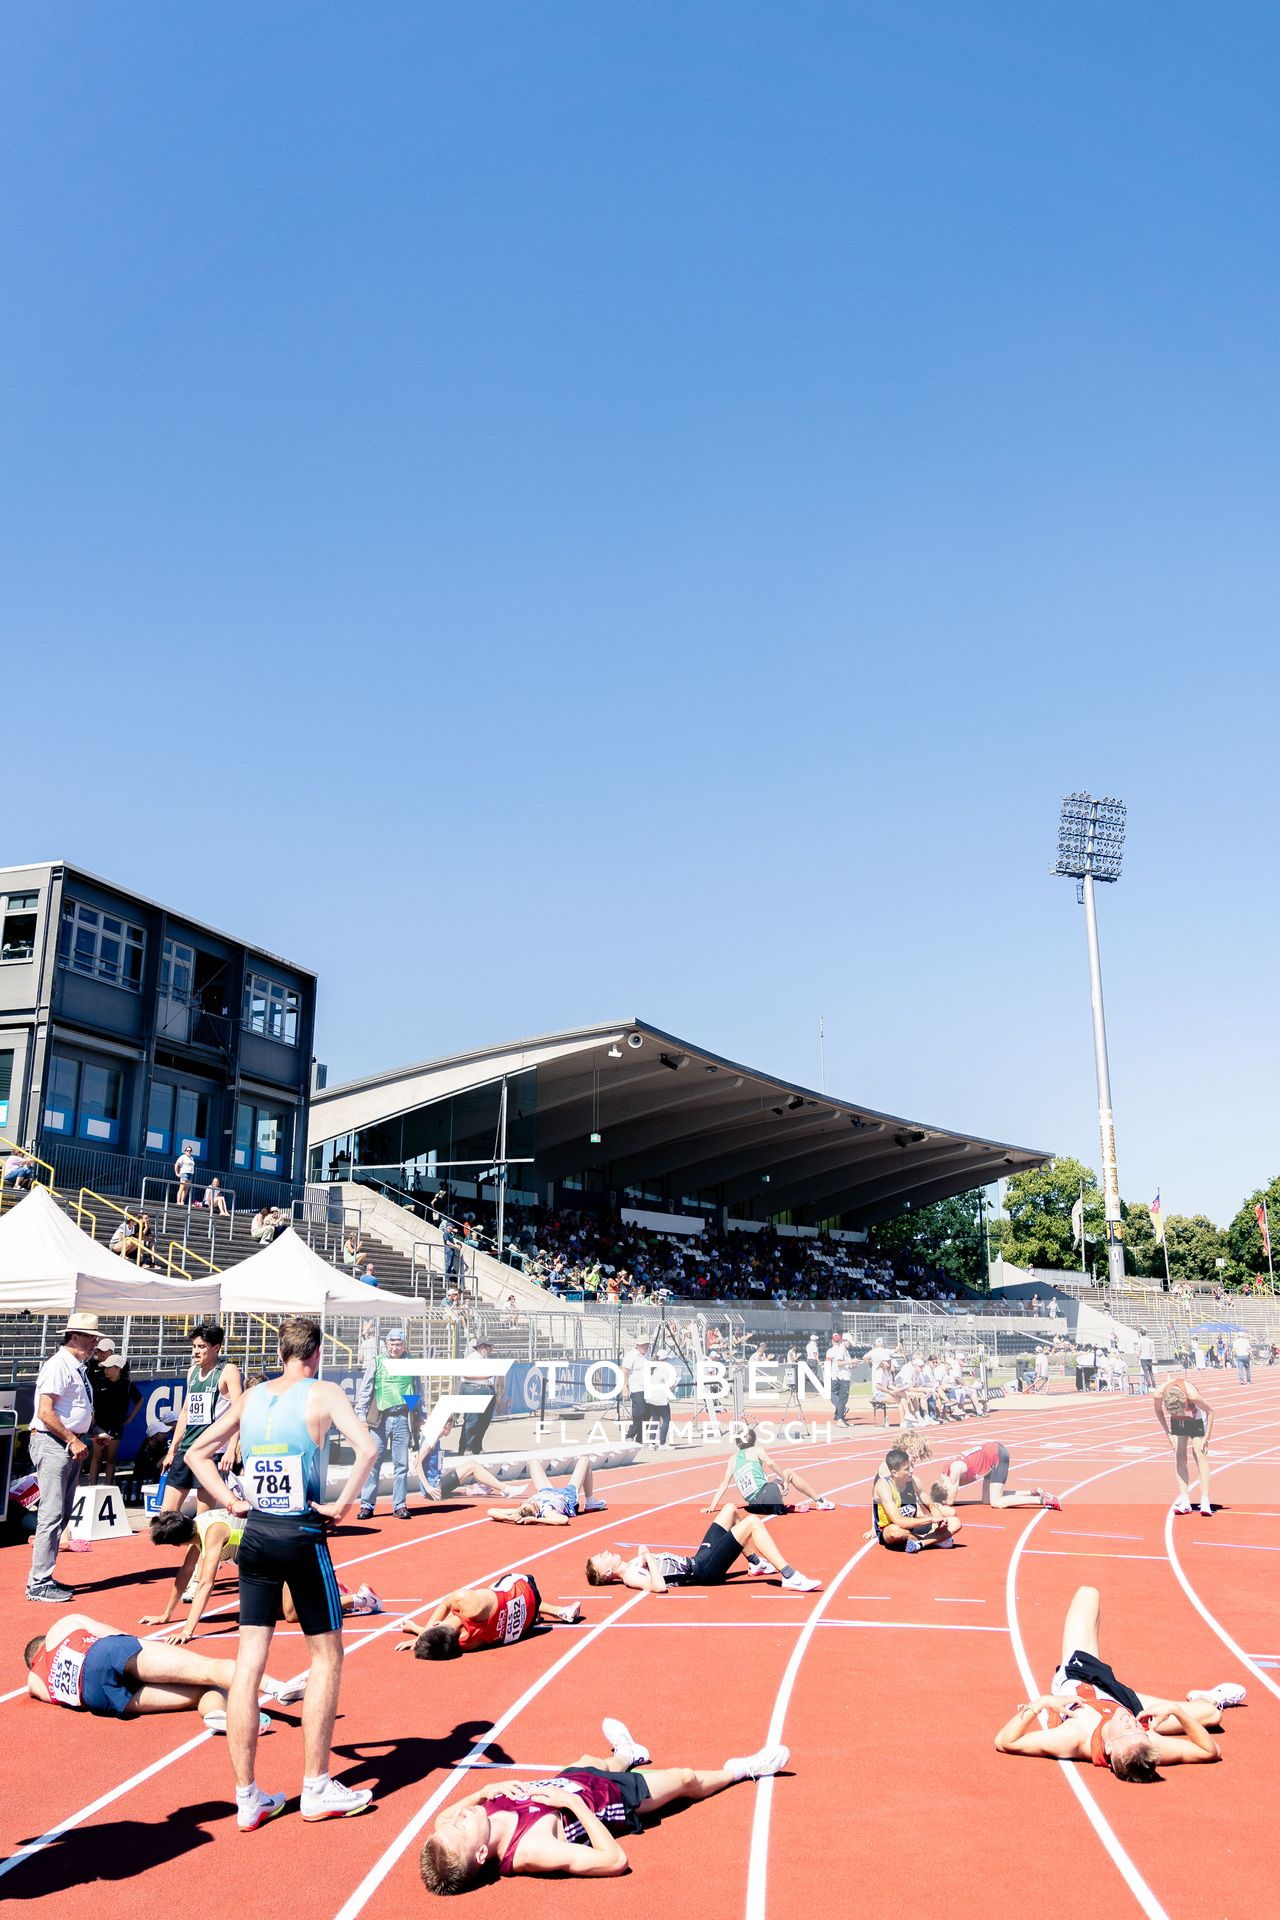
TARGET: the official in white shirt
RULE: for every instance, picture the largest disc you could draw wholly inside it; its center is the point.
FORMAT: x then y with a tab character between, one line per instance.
63	1415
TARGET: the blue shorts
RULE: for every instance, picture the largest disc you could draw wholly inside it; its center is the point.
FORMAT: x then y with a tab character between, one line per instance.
103	1686
559	1500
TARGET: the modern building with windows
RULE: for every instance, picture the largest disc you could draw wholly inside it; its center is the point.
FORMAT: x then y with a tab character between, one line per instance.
627	1116
129	1031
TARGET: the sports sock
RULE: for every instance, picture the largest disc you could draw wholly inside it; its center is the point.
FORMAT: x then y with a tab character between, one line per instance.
245	1796
317	1785
788	1573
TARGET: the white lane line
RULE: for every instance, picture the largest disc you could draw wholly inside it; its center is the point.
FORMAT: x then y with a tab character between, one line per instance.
1210	1619
1234	1546
1141	1892
1080	1533
408	1833
950	1600
758	1861
86	1813
1084	1553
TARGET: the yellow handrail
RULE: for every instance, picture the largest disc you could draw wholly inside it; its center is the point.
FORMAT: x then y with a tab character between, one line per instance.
17	1147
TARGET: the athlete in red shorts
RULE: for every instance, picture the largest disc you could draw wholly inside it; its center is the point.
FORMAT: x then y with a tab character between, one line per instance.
475	1617
988	1463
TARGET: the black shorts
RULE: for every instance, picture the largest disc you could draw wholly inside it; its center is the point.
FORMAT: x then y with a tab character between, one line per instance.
180	1475
1186	1426
1000	1472
768	1499
712	1561
630	1791
282	1550
1096	1673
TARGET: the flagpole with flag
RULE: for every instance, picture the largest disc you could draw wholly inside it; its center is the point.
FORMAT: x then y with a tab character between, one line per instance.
1264	1224
1157	1227
1077	1233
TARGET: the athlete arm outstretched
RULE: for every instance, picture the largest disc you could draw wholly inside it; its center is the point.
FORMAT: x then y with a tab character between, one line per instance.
190	1560
206	1573
358	1436
713	1506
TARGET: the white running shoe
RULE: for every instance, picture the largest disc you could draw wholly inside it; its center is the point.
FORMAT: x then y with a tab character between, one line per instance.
758	1766
800	1583
825	1506
286	1692
1226	1695
1182	1506
189	1591
626	1751
217	1722
366	1601
1206	1508
264	1808
571	1614
336	1802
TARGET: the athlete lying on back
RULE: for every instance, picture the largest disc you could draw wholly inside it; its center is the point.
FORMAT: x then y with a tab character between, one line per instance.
566	1824
552	1506
474	1617
730	1534
1094	1716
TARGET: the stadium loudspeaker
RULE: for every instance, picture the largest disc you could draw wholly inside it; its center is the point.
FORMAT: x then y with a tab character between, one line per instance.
635	1039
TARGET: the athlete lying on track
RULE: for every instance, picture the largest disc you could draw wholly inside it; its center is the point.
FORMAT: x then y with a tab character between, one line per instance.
988	1463
731	1533
90	1667
901	1518
1093	1716
567	1824
473	1617
463	1475
212	1540
551	1506
762	1485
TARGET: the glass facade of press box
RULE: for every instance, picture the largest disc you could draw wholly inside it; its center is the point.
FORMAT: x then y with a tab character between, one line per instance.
271	1008
84	1100
101	945
456	1138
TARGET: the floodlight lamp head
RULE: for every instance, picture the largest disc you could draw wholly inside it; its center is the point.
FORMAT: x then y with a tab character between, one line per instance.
1090	838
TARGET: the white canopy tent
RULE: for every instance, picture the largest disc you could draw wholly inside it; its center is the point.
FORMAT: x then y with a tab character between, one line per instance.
50	1265
287	1277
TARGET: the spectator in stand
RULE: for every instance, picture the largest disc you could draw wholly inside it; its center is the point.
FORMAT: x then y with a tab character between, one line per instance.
366	1274
138	1244
351	1250
115	1401
264	1226
513	1317
19	1171
214	1198
184	1170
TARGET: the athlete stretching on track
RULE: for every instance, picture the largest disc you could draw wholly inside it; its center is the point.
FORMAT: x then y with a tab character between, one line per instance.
1093	1716
731	1533
283	1425
567	1824
90	1667
1187	1419
988	1463
763	1486
212	1539
495	1616
551	1506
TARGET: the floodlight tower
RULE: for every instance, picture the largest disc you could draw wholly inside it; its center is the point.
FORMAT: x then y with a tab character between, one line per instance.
1091	847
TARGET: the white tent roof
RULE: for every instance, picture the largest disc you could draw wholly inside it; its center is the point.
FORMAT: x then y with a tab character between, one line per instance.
49	1265
287	1277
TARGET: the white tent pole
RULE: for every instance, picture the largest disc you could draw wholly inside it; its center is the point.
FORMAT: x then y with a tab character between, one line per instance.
320	1374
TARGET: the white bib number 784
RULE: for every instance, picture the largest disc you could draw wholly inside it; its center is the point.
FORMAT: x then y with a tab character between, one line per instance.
273	1482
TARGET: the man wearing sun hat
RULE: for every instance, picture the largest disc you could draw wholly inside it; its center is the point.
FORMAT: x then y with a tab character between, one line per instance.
63	1415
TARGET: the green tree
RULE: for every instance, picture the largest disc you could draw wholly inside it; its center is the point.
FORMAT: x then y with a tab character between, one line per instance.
1195	1247
1036	1229
946	1234
1244	1235
1142	1256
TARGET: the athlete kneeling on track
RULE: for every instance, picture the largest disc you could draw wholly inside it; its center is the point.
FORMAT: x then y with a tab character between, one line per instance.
473	1617
552	1506
283	1426
90	1667
1093	1716
729	1535
567	1824
900	1518
988	1463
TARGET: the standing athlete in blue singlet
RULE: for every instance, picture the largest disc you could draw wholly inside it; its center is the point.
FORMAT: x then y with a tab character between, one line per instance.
283	1425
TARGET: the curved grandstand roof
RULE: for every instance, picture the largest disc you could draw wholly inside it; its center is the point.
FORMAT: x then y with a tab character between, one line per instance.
669	1111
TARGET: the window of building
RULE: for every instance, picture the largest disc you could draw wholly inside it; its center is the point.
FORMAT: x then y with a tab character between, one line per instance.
101	945
271	1009
191	1125
262	1139
177	969
18	930
63	1096
101	1095
160	1117
6	1083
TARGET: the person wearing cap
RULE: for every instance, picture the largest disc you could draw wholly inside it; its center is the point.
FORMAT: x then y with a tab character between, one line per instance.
389	1420
115	1401
63	1416
840	1363
478	1378
635	1366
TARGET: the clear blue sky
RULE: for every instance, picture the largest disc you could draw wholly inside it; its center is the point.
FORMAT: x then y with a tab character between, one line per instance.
547	511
